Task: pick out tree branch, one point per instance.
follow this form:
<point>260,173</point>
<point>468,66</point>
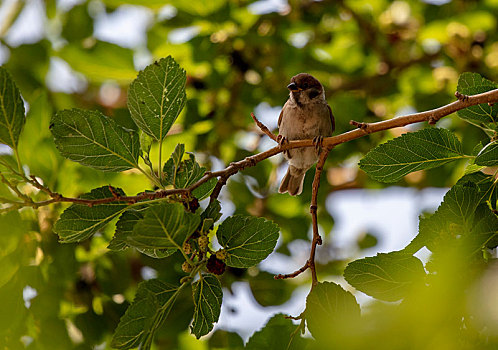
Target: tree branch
<point>317,239</point>
<point>363,129</point>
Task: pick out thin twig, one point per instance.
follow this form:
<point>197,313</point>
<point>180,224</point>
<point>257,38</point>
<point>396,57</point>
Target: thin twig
<point>263,128</point>
<point>317,239</point>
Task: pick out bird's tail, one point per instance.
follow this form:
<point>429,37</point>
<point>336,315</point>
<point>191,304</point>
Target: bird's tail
<point>293,181</point>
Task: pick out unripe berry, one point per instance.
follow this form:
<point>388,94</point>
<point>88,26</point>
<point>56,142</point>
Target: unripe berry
<point>221,254</point>
<point>186,267</point>
<point>203,242</point>
<point>187,248</point>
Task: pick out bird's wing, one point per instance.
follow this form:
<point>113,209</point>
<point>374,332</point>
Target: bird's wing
<point>332,119</point>
<point>280,116</point>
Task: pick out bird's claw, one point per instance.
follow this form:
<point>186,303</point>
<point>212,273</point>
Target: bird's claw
<point>318,143</point>
<point>282,140</point>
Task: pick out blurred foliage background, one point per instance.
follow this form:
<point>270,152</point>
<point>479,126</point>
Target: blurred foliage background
<point>376,59</point>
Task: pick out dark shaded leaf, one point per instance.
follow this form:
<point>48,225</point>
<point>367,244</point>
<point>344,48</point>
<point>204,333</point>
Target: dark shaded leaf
<point>79,221</point>
<point>204,190</point>
<point>247,240</point>
<point>330,310</point>
<point>12,117</point>
<point>488,156</point>
<point>124,229</point>
<point>152,303</point>
<point>387,277</point>
<point>164,226</point>
<point>462,220</point>
<point>207,296</point>
<point>277,334</point>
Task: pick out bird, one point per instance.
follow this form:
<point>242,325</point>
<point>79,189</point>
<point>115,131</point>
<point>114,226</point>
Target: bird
<point>305,115</point>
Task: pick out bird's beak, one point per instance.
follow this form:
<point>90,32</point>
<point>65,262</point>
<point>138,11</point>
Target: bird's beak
<point>293,87</point>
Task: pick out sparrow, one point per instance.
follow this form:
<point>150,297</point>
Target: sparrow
<point>305,115</point>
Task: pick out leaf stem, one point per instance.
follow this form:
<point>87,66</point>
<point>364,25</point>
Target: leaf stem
<point>154,180</point>
<point>18,159</point>
<point>160,168</point>
<point>164,311</point>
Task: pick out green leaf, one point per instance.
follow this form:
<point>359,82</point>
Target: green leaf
<point>486,187</point>
<point>462,220</point>
<point>424,149</point>
<point>221,339</point>
<point>12,117</point>
<point>386,277</point>
<point>79,221</point>
<point>204,190</point>
<point>247,239</point>
<point>94,140</point>
<point>212,213</point>
<point>171,166</point>
<point>188,173</point>
<point>101,62</point>
<point>483,114</point>
<point>201,8</point>
<point>331,310</point>
<point>152,303</point>
<point>157,96</point>
<point>10,266</point>
<point>164,226</point>
<point>182,174</point>
<point>124,229</point>
<point>207,296</point>
<point>277,334</point>
<point>488,156</point>
<point>152,4</point>
<point>13,228</point>
<point>268,291</point>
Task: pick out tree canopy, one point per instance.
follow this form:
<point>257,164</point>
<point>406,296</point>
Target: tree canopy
<point>122,155</point>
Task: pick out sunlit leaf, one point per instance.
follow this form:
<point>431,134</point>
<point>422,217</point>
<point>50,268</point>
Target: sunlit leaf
<point>157,96</point>
<point>12,116</point>
<point>247,240</point>
<point>152,4</point>
<point>94,140</point>
<point>424,149</point>
<point>207,296</point>
<point>152,303</point>
<point>385,276</point>
<point>200,8</point>
<point>12,228</point>
<point>80,221</point>
<point>101,62</point>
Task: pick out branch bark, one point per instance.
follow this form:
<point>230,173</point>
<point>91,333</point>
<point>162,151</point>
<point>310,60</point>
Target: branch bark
<point>363,129</point>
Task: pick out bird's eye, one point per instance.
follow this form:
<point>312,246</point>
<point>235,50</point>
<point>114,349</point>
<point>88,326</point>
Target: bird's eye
<point>305,86</point>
